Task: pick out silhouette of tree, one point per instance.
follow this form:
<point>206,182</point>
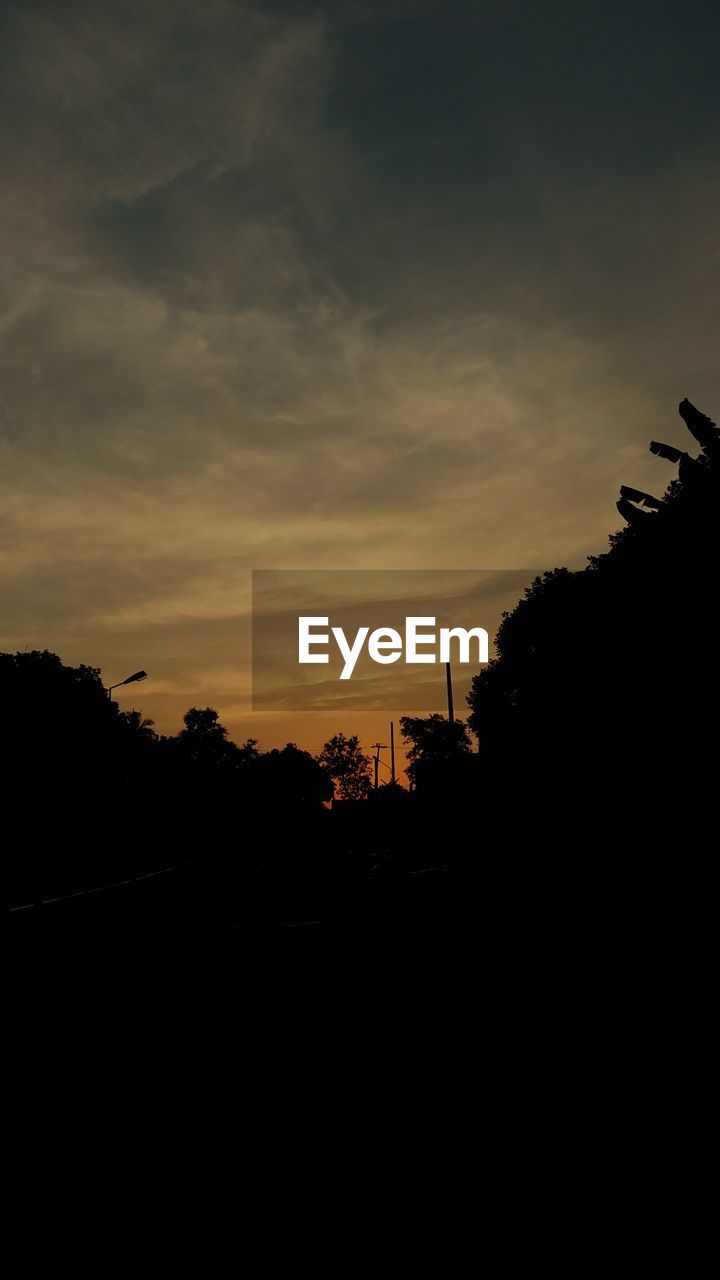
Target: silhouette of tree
<point>291,777</point>
<point>204,739</point>
<point>347,765</point>
<point>615,663</point>
<point>58,721</point>
<point>248,751</point>
<point>68,753</point>
<point>437,746</point>
<point>137,726</point>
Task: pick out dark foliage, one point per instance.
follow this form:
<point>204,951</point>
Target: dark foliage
<point>603,699</point>
<point>347,765</point>
<point>437,752</point>
<point>92,793</point>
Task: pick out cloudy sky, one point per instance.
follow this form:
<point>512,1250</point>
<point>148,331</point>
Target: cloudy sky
<point>352,285</point>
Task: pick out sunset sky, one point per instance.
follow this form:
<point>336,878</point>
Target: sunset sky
<point>352,285</point>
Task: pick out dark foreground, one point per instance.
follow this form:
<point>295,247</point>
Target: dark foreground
<point>189,898</point>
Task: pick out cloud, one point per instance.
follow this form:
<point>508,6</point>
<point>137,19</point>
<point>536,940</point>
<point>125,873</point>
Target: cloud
<point>293,289</point>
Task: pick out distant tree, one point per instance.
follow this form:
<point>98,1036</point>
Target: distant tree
<point>347,765</point>
<point>248,751</point>
<point>203,724</point>
<point>435,746</point>
<point>204,740</point>
<point>137,726</point>
<point>291,776</point>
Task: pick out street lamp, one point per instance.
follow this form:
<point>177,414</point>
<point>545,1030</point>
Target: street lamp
<point>137,675</point>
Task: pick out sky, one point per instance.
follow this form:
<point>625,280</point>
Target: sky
<point>334,286</point>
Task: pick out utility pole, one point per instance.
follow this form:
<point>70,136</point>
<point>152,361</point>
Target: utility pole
<point>378,747</point>
<point>392,751</point>
<point>451,713</point>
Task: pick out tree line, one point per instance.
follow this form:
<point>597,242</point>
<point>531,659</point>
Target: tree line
<point>594,724</point>
<point>66,733</point>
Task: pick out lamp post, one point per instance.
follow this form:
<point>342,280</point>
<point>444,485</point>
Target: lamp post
<point>137,675</point>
